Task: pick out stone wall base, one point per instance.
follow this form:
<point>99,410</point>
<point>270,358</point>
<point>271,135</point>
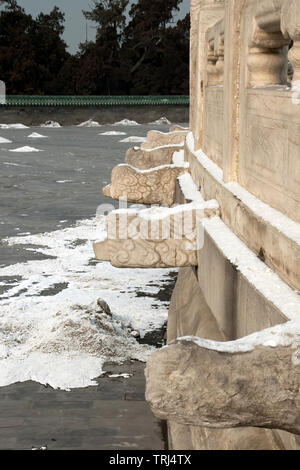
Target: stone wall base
<point>189,314</point>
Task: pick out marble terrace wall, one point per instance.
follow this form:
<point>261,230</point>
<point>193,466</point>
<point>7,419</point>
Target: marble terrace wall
<point>230,376</point>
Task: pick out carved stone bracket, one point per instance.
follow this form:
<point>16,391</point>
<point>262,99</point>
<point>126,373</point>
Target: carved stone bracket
<point>157,139</point>
<point>144,159</point>
<point>156,237</point>
<point>155,186</point>
<point>224,385</point>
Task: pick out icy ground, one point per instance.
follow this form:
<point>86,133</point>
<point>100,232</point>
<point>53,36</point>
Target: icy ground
<point>51,330</point>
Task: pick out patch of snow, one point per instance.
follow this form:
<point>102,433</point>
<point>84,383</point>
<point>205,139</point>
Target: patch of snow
<point>126,122</point>
<point>13,126</point>
<point>283,223</point>
<point>178,157</point>
<point>36,135</point>
<point>266,281</point>
<point>189,188</point>
<point>158,213</point>
<point>89,123</point>
<point>124,375</point>
<point>157,168</point>
<point>183,129</point>
<point>287,334</point>
<point>162,120</point>
<point>26,149</point>
<point>112,133</point>
<point>134,139</point>
<point>5,141</point>
<point>179,146</point>
<point>52,124</point>
<point>64,181</point>
<point>60,338</point>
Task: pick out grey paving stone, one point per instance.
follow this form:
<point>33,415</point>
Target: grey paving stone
<point>112,415</point>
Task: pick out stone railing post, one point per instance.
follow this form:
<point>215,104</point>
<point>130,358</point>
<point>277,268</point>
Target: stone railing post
<point>232,42</point>
<point>290,27</point>
<point>204,14</point>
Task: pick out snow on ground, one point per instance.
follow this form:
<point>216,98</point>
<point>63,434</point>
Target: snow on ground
<point>162,120</point>
<point>51,330</point>
<point>112,133</point>
<point>89,123</point>
<point>134,139</point>
<point>51,124</point>
<point>36,135</point>
<point>64,181</point>
<point>5,141</point>
<point>126,122</point>
<point>26,149</point>
<point>13,126</point>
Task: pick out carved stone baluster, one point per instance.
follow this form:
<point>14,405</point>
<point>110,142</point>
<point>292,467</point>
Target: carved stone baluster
<point>220,63</point>
<point>212,58</point>
<point>267,59</point>
<point>290,27</point>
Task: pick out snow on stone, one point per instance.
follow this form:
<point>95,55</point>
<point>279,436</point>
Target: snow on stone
<point>51,330</point>
<point>156,168</point>
<point>53,124</point>
<point>206,162</point>
<point>160,121</point>
<point>89,123</point>
<point>26,149</point>
<point>262,210</point>
<point>15,164</point>
<point>126,122</point>
<point>124,376</point>
<point>134,138</point>
<point>287,334</point>
<point>13,126</point>
<point>112,133</point>
<point>283,223</point>
<point>5,141</point>
<point>265,281</point>
<point>36,135</point>
<point>158,213</point>
<point>189,188</point>
<point>253,269</point>
<point>178,157</point>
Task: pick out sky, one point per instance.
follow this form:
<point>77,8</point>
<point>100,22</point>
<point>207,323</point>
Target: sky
<point>75,24</point>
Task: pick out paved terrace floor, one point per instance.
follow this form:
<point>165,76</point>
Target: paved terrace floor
<point>111,416</point>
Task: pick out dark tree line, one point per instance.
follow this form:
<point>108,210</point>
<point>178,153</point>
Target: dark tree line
<point>145,54</point>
